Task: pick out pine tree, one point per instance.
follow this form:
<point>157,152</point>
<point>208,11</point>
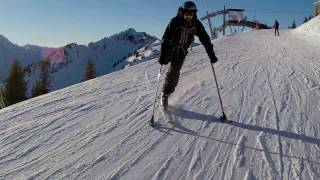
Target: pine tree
<point>90,71</point>
<point>293,25</point>
<point>15,85</point>
<point>305,20</point>
<point>2,105</point>
<point>42,86</point>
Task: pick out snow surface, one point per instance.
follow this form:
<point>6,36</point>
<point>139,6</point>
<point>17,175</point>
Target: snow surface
<point>97,129</point>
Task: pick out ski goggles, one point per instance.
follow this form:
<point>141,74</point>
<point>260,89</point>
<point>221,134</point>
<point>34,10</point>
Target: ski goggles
<point>188,13</point>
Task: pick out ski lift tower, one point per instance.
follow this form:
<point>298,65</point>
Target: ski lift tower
<point>234,15</point>
<point>208,17</point>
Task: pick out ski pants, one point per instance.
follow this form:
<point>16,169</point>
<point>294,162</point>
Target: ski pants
<point>173,73</point>
<point>276,30</point>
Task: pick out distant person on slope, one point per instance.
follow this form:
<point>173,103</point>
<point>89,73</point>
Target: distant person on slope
<point>276,28</point>
<point>177,38</point>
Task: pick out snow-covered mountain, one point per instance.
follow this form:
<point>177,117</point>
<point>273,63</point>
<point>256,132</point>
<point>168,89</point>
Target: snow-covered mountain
<point>10,52</point>
<point>69,62</point>
<point>98,129</point>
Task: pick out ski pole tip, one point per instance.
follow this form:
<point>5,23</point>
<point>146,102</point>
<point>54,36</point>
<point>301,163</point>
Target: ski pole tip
<point>224,117</point>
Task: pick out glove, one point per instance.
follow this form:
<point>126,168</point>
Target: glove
<point>213,59</point>
<point>163,60</point>
<point>212,56</point>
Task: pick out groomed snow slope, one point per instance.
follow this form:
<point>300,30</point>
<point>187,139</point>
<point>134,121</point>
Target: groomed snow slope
<point>310,29</point>
<point>97,130</point>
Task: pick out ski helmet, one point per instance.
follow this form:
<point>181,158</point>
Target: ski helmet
<point>189,6</point>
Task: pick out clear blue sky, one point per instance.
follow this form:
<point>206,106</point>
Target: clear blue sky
<point>56,23</point>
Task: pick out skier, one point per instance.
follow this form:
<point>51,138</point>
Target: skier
<point>177,38</point>
<point>276,27</point>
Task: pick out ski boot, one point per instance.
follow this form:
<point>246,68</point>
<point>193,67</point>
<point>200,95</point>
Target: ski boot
<point>164,101</point>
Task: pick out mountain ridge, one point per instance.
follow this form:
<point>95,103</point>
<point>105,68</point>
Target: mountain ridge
<point>68,62</point>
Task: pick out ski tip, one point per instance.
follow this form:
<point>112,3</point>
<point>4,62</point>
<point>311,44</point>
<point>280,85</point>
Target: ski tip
<point>223,117</point>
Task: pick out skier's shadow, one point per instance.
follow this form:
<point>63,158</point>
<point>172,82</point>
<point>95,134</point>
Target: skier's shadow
<point>190,115</point>
<point>186,114</point>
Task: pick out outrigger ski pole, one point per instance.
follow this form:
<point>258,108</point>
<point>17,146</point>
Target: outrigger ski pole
<point>223,117</point>
<point>155,98</point>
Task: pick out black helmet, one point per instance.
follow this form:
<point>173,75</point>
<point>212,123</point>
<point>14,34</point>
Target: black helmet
<point>189,6</point>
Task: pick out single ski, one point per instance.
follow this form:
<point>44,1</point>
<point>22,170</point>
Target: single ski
<point>166,116</point>
<point>167,120</point>
<point>165,112</point>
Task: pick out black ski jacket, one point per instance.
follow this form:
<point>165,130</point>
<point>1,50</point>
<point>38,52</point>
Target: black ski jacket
<point>178,35</point>
<point>276,25</point>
